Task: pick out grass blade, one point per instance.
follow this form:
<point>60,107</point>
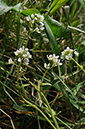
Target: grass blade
<point>52,39</point>
<point>57,6</point>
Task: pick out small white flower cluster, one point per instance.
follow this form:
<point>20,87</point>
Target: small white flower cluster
<point>36,22</point>
<point>54,61</point>
<point>68,53</point>
<point>23,55</point>
<point>10,61</point>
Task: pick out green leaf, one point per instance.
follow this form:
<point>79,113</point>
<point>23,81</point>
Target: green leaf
<point>73,10</point>
<point>75,23</point>
<point>29,11</point>
<point>60,30</point>
<point>82,3</point>
<point>57,28</point>
<point>53,4</point>
<point>52,39</point>
<point>5,8</point>
<point>57,5</point>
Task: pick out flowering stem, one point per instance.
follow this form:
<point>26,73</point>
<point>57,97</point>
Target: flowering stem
<point>43,76</point>
<point>28,39</point>
<point>39,111</point>
<point>50,110</point>
<point>18,69</point>
<point>18,74</point>
<point>78,65</point>
<point>48,103</point>
<point>36,108</point>
<point>59,71</point>
<point>55,121</point>
<point>65,67</point>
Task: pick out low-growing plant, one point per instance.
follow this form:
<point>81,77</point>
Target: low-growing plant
<point>42,65</point>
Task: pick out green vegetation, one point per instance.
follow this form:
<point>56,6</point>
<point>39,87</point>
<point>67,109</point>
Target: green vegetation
<point>42,64</point>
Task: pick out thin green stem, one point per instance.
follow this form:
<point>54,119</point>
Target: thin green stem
<point>79,65</point>
<point>18,68</point>
<point>28,39</point>
<point>43,76</point>
<point>36,106</point>
<point>63,122</point>
<point>18,74</point>
<point>39,111</point>
<point>59,71</point>
<point>55,121</point>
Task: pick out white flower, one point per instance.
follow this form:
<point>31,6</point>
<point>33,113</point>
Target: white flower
<point>21,50</point>
<point>24,55</point>
<point>42,28</point>
<point>32,21</point>
<point>19,59</point>
<point>26,61</point>
<point>68,49</point>
<point>36,14</point>
<point>56,63</point>
<point>67,54</point>
<point>42,24</point>
<point>16,53</point>
<point>60,64</point>
<point>37,30</point>
<point>40,18</point>
<point>28,18</point>
<point>35,18</point>
<point>36,22</point>
<point>24,29</point>
<point>10,61</point>
<point>32,15</point>
<point>47,66</point>
<point>26,49</point>
<point>76,53</point>
<point>55,58</point>
<point>29,55</point>
<point>50,57</point>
